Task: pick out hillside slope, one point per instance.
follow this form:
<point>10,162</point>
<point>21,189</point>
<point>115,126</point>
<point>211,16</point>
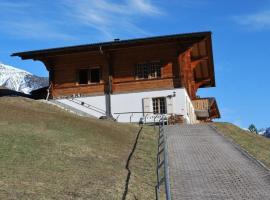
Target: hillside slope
<point>47,153</point>
<point>256,145</point>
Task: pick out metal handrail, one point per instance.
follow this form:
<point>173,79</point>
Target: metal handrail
<point>146,114</point>
<point>86,105</point>
<point>131,114</point>
<point>122,113</point>
<point>162,150</point>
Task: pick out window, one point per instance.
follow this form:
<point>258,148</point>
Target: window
<point>87,76</point>
<point>159,105</point>
<point>83,76</point>
<point>95,75</point>
<point>148,70</point>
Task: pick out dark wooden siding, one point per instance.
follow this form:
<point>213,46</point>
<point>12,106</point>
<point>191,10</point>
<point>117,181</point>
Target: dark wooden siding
<point>186,66</point>
<point>124,63</point>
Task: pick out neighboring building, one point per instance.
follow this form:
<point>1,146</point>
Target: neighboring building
<point>136,79</point>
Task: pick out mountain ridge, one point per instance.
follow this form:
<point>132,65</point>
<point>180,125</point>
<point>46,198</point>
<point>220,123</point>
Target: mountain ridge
<point>20,80</point>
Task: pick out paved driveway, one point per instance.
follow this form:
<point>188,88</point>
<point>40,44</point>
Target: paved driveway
<point>205,166</point>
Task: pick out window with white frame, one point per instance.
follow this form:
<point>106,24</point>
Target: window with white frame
<point>148,70</point>
<point>159,105</point>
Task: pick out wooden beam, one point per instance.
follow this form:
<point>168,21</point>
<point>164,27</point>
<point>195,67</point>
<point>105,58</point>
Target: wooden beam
<point>108,89</point>
<point>195,62</point>
<point>210,60</point>
<point>199,84</point>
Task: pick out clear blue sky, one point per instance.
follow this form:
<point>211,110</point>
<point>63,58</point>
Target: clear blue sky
<point>241,39</point>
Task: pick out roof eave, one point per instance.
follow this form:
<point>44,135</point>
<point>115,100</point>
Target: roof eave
<point>95,47</point>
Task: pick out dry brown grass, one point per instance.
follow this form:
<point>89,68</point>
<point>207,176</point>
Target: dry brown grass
<point>47,153</point>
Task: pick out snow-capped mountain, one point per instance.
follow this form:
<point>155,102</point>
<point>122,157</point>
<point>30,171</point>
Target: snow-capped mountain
<point>20,80</point>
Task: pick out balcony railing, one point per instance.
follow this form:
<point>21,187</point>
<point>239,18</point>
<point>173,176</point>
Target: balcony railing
<point>206,108</point>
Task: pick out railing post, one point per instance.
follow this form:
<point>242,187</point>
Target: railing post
<point>130,117</point>
<point>162,120</point>
<point>155,121</point>
<point>145,118</point>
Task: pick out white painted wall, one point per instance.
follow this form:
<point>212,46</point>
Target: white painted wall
<point>97,101</point>
<point>133,102</point>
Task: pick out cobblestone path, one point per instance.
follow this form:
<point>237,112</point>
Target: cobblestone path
<point>204,166</point>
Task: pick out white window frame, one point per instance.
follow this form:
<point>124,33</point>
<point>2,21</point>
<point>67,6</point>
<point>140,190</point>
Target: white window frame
<point>159,104</point>
<point>148,70</point>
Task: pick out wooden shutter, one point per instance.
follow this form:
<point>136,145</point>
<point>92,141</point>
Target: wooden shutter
<point>147,105</point>
<point>169,104</point>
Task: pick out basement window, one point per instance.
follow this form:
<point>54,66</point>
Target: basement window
<point>88,76</point>
<point>148,70</point>
<point>159,105</point>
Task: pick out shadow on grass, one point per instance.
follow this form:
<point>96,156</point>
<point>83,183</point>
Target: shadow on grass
<point>127,164</point>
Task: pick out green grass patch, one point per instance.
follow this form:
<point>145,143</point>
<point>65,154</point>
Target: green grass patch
<point>256,145</point>
<point>48,153</point>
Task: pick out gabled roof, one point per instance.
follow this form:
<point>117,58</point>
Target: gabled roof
<point>112,44</point>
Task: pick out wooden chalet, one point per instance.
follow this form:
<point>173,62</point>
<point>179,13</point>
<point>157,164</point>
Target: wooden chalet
<point>136,66</point>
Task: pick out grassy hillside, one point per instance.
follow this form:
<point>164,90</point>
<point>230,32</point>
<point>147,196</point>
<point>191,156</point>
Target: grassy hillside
<point>47,153</point>
<point>256,145</point>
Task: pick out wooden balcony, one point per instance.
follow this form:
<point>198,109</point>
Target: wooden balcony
<point>206,109</point>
